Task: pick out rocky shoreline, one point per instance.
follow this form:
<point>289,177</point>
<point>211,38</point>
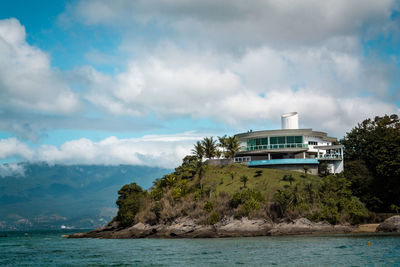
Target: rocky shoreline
<point>230,227</point>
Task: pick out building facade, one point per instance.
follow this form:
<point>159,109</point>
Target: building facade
<point>290,148</point>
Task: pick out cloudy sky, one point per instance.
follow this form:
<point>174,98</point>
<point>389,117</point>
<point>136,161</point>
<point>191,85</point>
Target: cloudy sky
<point>138,82</point>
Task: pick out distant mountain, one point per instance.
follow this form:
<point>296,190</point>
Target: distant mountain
<point>79,196</point>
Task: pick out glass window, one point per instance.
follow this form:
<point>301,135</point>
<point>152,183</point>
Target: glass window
<point>264,141</point>
<point>251,142</point>
<point>290,139</point>
<point>281,140</point>
<point>273,140</point>
<point>298,139</point>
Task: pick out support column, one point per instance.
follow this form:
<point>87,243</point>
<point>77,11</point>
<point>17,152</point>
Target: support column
<point>269,156</point>
<point>304,155</point>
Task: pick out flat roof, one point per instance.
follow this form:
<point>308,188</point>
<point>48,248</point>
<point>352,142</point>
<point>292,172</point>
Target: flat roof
<point>286,132</point>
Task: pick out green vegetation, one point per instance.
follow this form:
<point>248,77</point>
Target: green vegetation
<point>195,190</point>
<point>328,199</point>
<point>208,147</point>
<point>372,162</point>
<point>244,180</point>
<point>209,193</point>
<point>129,202</point>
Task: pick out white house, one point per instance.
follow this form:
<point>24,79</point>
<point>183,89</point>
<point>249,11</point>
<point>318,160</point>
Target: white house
<point>290,148</point>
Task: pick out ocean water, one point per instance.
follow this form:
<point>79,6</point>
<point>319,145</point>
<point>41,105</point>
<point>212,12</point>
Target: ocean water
<point>48,248</point>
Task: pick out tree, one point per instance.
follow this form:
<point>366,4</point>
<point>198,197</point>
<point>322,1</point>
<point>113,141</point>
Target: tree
<point>375,144</point>
<point>233,146</point>
<point>223,143</point>
<point>288,178</point>
<point>128,202</point>
<point>230,146</point>
<point>198,150</point>
<point>210,147</point>
<point>244,180</point>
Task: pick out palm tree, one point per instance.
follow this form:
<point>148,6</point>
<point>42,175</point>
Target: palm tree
<point>198,150</point>
<point>223,143</point>
<point>210,147</point>
<point>233,146</point>
<point>288,178</point>
<point>244,180</point>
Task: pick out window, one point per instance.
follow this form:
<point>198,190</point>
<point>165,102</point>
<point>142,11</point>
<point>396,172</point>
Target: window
<point>273,140</point>
<point>242,159</point>
<point>313,143</point>
<point>298,139</point>
<point>290,139</point>
<point>257,142</point>
<point>281,139</point>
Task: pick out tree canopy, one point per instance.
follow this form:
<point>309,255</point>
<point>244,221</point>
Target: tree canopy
<point>372,161</point>
<point>208,147</point>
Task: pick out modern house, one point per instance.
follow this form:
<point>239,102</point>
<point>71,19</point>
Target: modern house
<point>290,148</point>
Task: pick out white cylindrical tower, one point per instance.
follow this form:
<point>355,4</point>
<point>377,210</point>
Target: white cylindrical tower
<point>290,120</point>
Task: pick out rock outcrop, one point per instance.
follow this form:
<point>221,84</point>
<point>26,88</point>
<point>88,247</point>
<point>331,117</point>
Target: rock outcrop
<point>391,224</point>
<point>305,226</point>
<point>228,227</point>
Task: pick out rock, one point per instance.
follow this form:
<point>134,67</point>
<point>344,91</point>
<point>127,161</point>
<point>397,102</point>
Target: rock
<point>366,228</point>
<point>305,226</point>
<point>243,227</point>
<point>186,227</point>
<point>391,224</point>
<point>78,235</point>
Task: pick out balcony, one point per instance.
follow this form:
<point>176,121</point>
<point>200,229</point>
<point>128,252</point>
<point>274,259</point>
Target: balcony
<point>330,157</point>
<point>269,147</point>
<point>282,162</point>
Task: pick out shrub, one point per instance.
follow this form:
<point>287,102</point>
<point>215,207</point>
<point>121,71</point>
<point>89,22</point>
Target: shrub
<point>241,197</point>
<point>248,206</point>
<point>246,201</point>
<point>208,206</point>
<point>156,208</point>
<point>329,199</point>
<point>214,218</point>
<point>288,178</point>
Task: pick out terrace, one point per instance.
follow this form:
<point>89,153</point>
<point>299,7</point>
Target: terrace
<point>274,142</point>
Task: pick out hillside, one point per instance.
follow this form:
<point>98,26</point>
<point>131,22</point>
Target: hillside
<point>209,194</point>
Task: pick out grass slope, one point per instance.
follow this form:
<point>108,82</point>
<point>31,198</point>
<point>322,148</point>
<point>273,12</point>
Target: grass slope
<point>219,179</point>
<point>209,193</point>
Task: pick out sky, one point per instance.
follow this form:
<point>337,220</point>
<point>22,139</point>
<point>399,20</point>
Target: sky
<point>139,82</point>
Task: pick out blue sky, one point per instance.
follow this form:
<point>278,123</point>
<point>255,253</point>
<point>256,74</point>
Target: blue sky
<point>138,82</point>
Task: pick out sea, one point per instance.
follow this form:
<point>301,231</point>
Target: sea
<point>50,248</point>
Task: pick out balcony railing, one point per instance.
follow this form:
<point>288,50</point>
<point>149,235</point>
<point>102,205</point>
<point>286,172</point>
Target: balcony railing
<point>330,156</point>
<point>268,147</point>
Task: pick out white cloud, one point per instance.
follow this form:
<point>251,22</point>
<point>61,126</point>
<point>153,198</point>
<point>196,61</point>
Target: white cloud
<point>12,147</point>
<point>154,150</point>
<point>320,83</point>
<point>237,22</point>
<point>27,81</point>
<point>11,169</point>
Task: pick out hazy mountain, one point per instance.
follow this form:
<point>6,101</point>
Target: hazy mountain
<point>81,196</point>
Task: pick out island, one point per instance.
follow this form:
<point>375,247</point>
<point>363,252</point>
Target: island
<point>209,197</point>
